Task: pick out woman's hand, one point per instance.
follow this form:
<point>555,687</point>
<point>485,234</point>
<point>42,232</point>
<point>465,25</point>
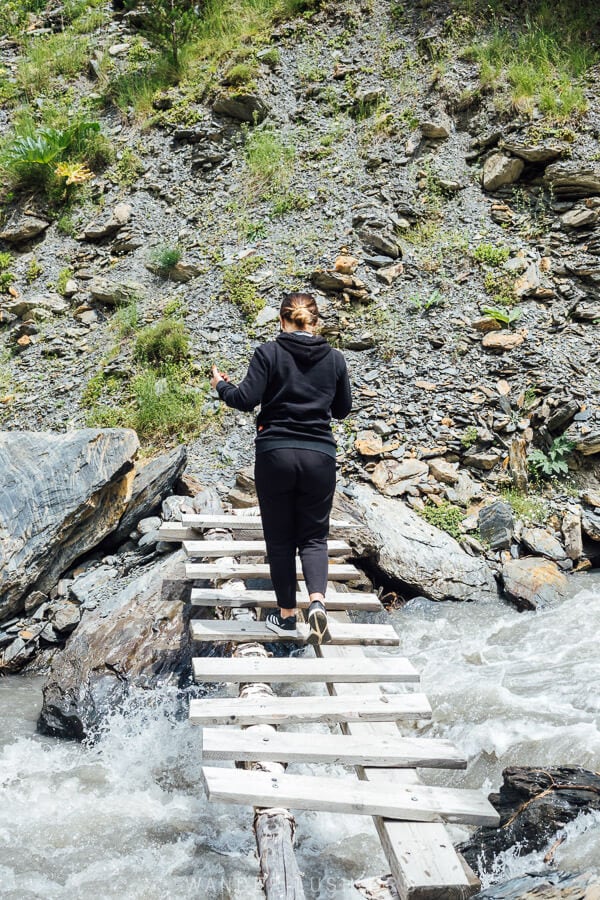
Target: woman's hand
<point>217,376</point>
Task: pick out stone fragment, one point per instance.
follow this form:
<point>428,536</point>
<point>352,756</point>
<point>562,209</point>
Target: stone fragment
<point>496,525</point>
<point>571,531</point>
<point>443,471</point>
<point>591,497</point>
<point>394,477</point>
<point>245,107</point>
<point>97,231</point>
<point>527,283</point>
<point>23,228</point>
<point>60,495</point>
<point>52,303</point>
<point>517,463</point>
<point>345,264</point>
<point>415,553</point>
<point>380,241</point>
<point>533,582</point>
<point>573,178</point>
<point>388,274</point>
<point>542,543</point>
<point>114,293</point>
<point>503,340</point>
<point>70,288</point>
<point>580,217</point>
<point>368,443</point>
<point>590,523</point>
<point>239,499</point>
<point>585,437</point>
<point>535,153</point>
<point>17,654</point>
<point>65,618</point>
<point>482,459</point>
<point>437,128</point>
<point>499,170</point>
<point>266,315</point>
<point>563,415</point>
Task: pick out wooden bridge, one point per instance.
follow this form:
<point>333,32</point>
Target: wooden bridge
<point>365,720</point>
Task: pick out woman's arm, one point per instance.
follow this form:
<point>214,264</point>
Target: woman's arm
<point>249,392</point>
<point>342,401</point>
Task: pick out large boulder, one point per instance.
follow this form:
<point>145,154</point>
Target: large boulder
<point>552,886</point>
<point>533,804</point>
<point>135,636</point>
<point>60,495</point>
<point>423,558</point>
<point>573,178</point>
<point>531,582</point>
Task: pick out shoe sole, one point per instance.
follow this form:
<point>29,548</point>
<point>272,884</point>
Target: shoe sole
<point>282,631</point>
<point>319,630</point>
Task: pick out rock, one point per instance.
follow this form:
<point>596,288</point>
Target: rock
<point>368,443</point>
<point>585,437</point>
<point>535,153</point>
<point>481,459</point>
<point>388,274</point>
<point>85,584</point>
<point>331,280</point>
<point>33,601</point>
<point>563,415</point>
<point>181,272</point>
<point>266,315</point>
<point>17,654</point>
<point>24,228</point>
<point>345,264</point>
<point>240,499</point>
<point>571,530</point>
<point>60,494</point>
<point>573,178</point>
<point>243,107</point>
<point>529,282</point>
<point>152,523</point>
<point>590,523</point>
<point>555,886</point>
<point>464,490</point>
<point>542,543</point>
<point>152,483</point>
<point>52,303</point>
<point>70,288</point>
<point>422,558</point>
<point>499,170</point>
<point>517,463</point>
<point>591,497</point>
<point>380,241</point>
<point>438,129</point>
<point>533,582</point>
<point>502,340</point>
<point>394,477</point>
<point>114,293</point>
<point>443,471</point>
<point>581,216</point>
<point>137,636</point>
<point>97,231</point>
<point>496,525</point>
<point>65,618</point>
<point>533,804</point>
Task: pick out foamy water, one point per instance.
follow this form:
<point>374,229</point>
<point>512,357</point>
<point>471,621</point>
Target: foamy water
<point>126,818</point>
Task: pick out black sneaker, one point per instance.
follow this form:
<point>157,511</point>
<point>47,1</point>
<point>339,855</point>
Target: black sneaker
<point>317,622</point>
<point>286,627</point>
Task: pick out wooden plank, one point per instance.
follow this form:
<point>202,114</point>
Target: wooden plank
<point>292,710</point>
<point>423,861</point>
<point>245,630</point>
<point>419,803</point>
<point>298,669</point>
<point>225,569</point>
<point>197,549</point>
<point>339,749</point>
<point>359,600</point>
<point>246,521</point>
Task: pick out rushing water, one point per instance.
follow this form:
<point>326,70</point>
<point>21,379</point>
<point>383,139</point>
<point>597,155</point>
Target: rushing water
<point>126,819</point>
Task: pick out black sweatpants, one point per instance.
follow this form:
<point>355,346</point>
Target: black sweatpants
<point>295,490</point>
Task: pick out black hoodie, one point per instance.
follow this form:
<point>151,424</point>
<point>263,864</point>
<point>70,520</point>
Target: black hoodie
<point>300,383</point>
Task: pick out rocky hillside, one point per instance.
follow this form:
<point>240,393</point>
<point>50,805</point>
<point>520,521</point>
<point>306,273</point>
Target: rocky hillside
<point>431,172</point>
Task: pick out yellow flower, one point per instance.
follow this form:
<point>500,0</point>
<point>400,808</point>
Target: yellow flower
<point>74,173</point>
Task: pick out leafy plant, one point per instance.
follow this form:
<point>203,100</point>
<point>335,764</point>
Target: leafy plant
<point>445,516</point>
<point>469,437</point>
<point>34,270</point>
<point>490,254</point>
<point>530,508</point>
<point>63,277</point>
<point>554,462</point>
<point>241,290</point>
<point>505,317</point>
<point>33,158</point>
<point>426,305</point>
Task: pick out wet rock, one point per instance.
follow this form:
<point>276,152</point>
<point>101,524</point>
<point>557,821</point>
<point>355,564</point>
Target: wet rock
<point>502,340</point>
<point>394,477</point>
<point>17,654</point>
<point>24,228</point>
<point>533,804</point>
<point>137,636</point>
<point>423,558</point>
<point>60,494</point>
<point>573,178</point>
<point>244,107</point>
<point>114,293</point>
<point>551,886</point>
<point>542,543</point>
<point>533,582</point>
<point>496,525</point>
<point>499,170</point>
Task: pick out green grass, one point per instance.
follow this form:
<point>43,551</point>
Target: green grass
<point>240,74</point>
<point>165,258</point>
<point>49,56</point>
<point>240,290</point>
<point>270,160</point>
<point>164,343</point>
<point>447,517</point>
<point>491,254</point>
<point>531,508</point>
<point>128,168</point>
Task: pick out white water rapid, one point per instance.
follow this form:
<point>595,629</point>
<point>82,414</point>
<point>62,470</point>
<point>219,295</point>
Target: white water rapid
<point>125,818</point>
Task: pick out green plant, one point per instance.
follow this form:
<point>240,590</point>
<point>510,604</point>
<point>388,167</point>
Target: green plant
<point>271,57</point>
<point>426,304</point>
<point>31,158</point>
<point>446,516</point>
<point>166,342</point>
<point>500,285</point>
<point>128,168</point>
<point>240,74</point>
<point>165,258</point>
<point>269,159</point>
<point>505,317</point>
<point>547,465</point>
<point>288,201</point>
<point>6,277</point>
<point>33,271</point>
<point>170,25</point>
<point>48,56</point>
<point>491,255</point>
<point>240,289</point>
<point>126,318</point>
<point>469,437</point>
<point>531,508</point>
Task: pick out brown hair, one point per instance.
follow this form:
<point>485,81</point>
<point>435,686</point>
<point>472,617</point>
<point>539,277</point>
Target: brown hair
<point>301,309</point>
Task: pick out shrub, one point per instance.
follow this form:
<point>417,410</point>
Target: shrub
<point>34,270</point>
<point>170,24</point>
<point>166,342</point>
<point>6,277</point>
<point>490,254</point>
<point>165,258</point>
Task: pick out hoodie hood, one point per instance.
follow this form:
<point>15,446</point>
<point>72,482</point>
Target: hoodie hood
<point>306,349</point>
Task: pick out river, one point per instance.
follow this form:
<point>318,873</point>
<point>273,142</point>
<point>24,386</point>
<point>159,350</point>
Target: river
<point>125,818</point>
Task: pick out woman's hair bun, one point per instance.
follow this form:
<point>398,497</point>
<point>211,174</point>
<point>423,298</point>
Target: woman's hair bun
<point>301,316</point>
<point>301,309</point>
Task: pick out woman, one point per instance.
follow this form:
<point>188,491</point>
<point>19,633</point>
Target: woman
<point>300,383</point>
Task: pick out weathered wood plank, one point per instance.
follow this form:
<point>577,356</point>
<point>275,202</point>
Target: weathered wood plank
<point>224,569</point>
<point>341,633</point>
<point>301,747</point>
<point>292,710</point>
<point>422,858</point>
<point>246,521</point>
<point>304,668</point>
<point>419,803</point>
<point>198,549</point>
<point>359,600</point>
